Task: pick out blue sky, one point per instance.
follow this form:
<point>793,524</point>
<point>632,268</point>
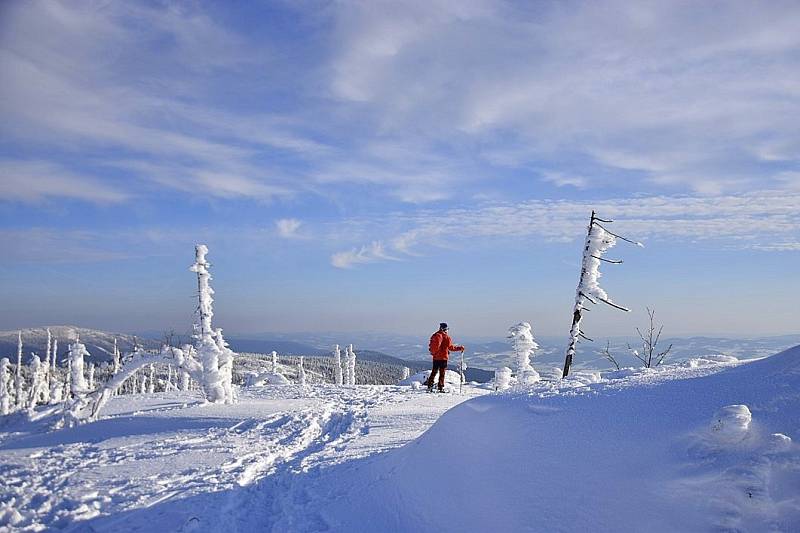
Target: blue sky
<point>385,166</point>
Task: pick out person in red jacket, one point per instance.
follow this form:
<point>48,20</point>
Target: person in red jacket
<point>440,347</point>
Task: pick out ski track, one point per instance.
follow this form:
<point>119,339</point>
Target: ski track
<point>268,463</point>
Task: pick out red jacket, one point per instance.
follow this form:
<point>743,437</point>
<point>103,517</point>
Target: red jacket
<point>445,346</point>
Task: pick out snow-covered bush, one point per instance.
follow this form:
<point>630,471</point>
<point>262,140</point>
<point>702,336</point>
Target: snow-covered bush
<point>502,378</point>
<point>523,345</point>
<point>5,386</point>
<point>337,365</point>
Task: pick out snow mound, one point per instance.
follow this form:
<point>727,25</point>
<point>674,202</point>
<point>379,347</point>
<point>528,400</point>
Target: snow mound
<point>265,378</point>
<point>731,423</point>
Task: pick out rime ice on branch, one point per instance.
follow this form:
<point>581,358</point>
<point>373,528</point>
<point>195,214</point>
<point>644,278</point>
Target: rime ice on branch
<point>598,241</point>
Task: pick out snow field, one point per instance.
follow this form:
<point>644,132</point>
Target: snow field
<point>170,458</point>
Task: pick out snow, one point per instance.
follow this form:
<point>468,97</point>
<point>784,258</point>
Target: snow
<point>451,379</point>
<point>703,447</point>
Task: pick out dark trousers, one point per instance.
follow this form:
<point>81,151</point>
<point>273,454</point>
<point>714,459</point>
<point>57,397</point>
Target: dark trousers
<point>439,365</point>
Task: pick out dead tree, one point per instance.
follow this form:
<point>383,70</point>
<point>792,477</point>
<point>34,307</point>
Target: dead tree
<point>608,355</point>
<point>598,240</point>
<point>650,356</point>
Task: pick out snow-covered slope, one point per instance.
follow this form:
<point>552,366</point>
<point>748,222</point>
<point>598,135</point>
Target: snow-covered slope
<point>655,451</point>
<point>708,445</point>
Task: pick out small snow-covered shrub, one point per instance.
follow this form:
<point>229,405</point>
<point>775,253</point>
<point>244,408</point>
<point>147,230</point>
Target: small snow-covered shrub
<point>523,345</point>
<point>502,378</point>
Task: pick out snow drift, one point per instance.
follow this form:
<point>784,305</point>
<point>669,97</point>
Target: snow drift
<point>650,452</point>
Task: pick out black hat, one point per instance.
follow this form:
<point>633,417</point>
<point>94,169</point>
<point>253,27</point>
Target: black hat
<point>443,325</point>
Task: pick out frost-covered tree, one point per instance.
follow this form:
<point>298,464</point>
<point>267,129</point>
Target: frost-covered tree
<point>56,385</point>
<point>274,362</point>
<point>78,398</point>
<point>213,360</point>
<point>226,357</point>
<point>77,353</point>
<point>116,356</point>
<point>598,241</point>
<point>523,345</point>
<point>337,365</point>
<point>55,355</point>
<point>406,373</point>
<point>48,374</point>
<point>301,372</point>
<point>39,390</point>
<point>5,386</point>
<point>19,382</point>
<point>151,380</point>
<point>351,365</point>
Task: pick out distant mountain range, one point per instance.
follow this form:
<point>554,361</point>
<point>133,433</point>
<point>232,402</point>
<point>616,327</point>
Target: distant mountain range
<point>99,343</point>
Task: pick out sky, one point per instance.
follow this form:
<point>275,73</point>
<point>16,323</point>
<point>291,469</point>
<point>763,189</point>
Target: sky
<point>384,166</point>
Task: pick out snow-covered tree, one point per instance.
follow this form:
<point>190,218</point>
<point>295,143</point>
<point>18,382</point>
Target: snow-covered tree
<point>116,356</point>
<point>78,384</point>
<point>406,372</point>
<point>523,345</point>
<point>19,382</point>
<point>337,365</point>
<point>274,362</point>
<point>55,355</point>
<point>77,400</point>
<point>39,390</point>
<point>215,378</point>
<point>301,372</point>
<point>151,379</point>
<point>351,365</point>
<point>5,386</point>
<point>598,241</point>
<point>226,366</point>
<point>48,374</point>
<point>56,385</point>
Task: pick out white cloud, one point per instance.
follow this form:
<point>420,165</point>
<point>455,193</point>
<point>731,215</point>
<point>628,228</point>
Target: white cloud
<point>655,88</point>
<point>287,227</point>
<point>31,181</point>
<point>366,254</point>
<point>764,220</point>
<point>562,180</point>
